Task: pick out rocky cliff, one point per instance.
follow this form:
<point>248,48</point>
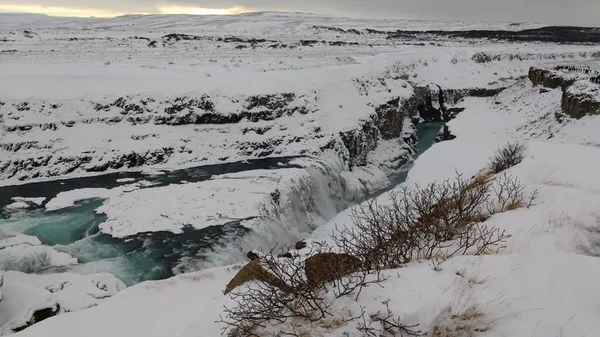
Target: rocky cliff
<point>580,96</point>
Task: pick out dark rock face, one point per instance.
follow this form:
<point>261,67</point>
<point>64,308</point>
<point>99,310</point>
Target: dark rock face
<point>252,255</point>
<point>453,96</point>
<point>444,135</point>
<point>300,245</point>
<point>421,104</point>
<point>553,34</point>
<point>579,105</point>
<point>360,142</point>
<point>39,316</point>
<point>574,104</point>
<point>548,78</point>
<point>390,119</point>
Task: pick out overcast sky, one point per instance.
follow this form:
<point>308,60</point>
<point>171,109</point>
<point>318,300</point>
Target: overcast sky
<point>574,12</point>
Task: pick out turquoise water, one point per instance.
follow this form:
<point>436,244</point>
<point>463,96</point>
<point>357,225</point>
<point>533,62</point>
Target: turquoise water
<point>426,134</point>
<point>146,256</point>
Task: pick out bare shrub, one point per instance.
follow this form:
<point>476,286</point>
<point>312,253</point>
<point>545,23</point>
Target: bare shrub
<point>385,324</point>
<point>301,294</point>
<point>509,194</point>
<point>260,303</point>
<point>467,323</point>
<point>439,220</point>
<point>508,156</point>
<point>436,222</point>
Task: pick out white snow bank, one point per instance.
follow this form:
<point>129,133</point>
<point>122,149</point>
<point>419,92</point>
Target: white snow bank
<point>214,202</point>
<point>125,180</point>
<point>26,253</point>
<point>150,309</point>
<point>17,205</point>
<point>69,198</point>
<point>23,294</point>
<point>37,201</point>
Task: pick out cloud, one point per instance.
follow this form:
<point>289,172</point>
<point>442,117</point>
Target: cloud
<point>576,12</point>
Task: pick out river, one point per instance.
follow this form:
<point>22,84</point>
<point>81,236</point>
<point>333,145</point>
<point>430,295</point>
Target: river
<point>145,256</point>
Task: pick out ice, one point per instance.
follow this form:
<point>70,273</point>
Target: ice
<point>17,205</point>
<point>68,199</point>
<point>26,253</point>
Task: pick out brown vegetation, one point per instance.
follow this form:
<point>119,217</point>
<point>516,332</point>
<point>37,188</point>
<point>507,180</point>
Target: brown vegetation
<point>436,222</point>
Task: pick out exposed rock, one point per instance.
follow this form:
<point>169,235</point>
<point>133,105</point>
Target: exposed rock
<point>359,142</point>
<point>301,245</point>
<point>326,267</point>
<point>286,255</point>
<point>422,102</point>
<point>38,316</point>
<point>577,104</point>
<point>577,100</point>
<point>252,255</point>
<point>552,34</point>
<point>549,78</point>
<point>253,271</point>
<point>390,119</point>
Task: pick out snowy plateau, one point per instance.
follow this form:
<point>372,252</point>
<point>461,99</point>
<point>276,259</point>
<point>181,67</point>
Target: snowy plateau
<point>142,157</point>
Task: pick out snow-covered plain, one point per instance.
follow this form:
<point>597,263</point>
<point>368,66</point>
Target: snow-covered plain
<point>81,97</point>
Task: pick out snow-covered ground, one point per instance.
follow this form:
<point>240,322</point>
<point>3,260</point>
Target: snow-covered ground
<point>81,97</point>
<point>543,284</point>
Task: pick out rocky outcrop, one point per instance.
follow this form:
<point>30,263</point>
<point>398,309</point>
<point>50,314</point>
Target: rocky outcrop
<point>359,142</point>
<point>421,104</point>
<point>327,267</point>
<point>253,271</point>
<point>549,78</point>
<point>577,104</point>
<point>201,110</point>
<point>580,97</point>
<point>319,269</point>
<point>453,96</point>
<point>391,116</point>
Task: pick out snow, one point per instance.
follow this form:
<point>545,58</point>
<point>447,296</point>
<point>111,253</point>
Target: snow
<point>125,180</point>
<point>544,283</point>
<point>26,253</point>
<point>17,205</point>
<point>69,198</point>
<point>62,76</point>
<point>25,293</point>
<point>37,201</point>
<point>531,288</point>
<point>223,199</point>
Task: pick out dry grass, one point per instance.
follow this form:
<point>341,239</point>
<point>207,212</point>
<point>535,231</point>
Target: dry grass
<point>466,324</point>
<point>514,205</point>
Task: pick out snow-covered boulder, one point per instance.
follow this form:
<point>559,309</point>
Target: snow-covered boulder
<point>28,298</point>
